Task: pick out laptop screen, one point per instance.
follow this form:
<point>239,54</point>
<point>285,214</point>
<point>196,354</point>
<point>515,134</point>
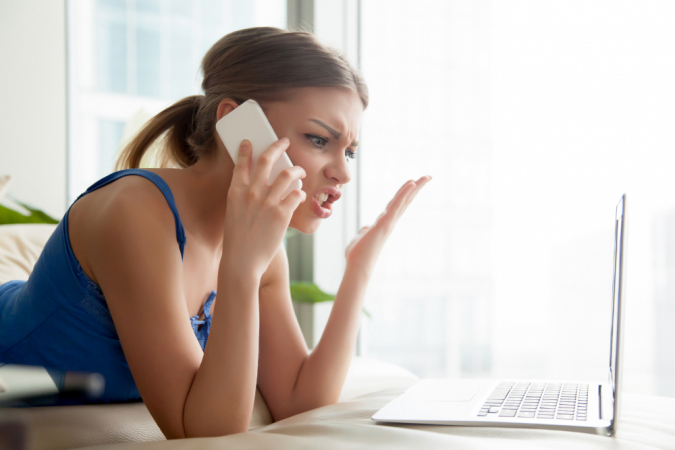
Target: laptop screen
<point>618,290</point>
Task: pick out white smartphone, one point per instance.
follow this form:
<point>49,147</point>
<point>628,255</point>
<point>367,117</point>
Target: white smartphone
<point>248,121</point>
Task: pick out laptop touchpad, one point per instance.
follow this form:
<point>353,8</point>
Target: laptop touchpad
<point>443,391</point>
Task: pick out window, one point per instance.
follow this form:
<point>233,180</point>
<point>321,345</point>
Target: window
<point>533,118</point>
<point>129,59</point>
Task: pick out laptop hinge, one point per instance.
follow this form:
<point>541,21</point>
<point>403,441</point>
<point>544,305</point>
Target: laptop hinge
<point>606,402</point>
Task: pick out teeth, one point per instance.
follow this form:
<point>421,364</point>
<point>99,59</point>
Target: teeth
<point>321,197</point>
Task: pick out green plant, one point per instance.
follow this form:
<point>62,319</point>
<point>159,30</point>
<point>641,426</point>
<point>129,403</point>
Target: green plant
<point>304,292</point>
<point>9,216</point>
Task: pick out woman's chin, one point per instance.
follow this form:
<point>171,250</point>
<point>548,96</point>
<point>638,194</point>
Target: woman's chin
<point>305,225</point>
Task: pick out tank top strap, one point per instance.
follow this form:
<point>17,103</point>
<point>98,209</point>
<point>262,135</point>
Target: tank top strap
<point>161,185</point>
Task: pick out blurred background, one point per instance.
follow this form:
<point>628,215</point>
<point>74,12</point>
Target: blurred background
<point>532,117</point>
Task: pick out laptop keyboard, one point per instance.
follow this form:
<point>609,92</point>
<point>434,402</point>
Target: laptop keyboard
<point>564,401</point>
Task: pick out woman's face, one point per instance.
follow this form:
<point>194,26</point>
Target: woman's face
<point>322,125</point>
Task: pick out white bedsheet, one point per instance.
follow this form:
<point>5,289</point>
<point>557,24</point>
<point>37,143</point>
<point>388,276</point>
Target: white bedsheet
<point>647,423</point>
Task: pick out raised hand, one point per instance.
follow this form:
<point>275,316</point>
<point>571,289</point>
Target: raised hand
<point>257,216</point>
<point>364,249</point>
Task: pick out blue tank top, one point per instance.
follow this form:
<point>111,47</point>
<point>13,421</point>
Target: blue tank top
<point>59,318</point>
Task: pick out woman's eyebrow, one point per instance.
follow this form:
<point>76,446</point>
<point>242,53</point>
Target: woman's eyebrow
<point>336,134</point>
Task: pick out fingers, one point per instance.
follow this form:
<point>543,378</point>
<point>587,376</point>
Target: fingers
<point>410,195</point>
<point>419,185</point>
<point>285,178</point>
<point>293,200</point>
<point>242,166</point>
<point>398,199</point>
<point>401,200</point>
<point>407,193</point>
<point>264,163</point>
<point>405,185</point>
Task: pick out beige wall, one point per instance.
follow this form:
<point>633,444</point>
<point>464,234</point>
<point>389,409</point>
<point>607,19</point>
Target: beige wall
<point>33,101</point>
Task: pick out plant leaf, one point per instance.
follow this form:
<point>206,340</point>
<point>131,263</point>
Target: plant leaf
<point>309,293</point>
<point>9,216</point>
<point>304,292</point>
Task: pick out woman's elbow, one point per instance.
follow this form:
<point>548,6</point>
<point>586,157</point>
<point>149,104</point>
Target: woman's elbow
<point>305,406</point>
<point>329,398</point>
<point>216,428</point>
<point>201,422</point>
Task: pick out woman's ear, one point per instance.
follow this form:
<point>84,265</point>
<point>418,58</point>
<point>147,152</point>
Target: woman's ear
<point>226,106</point>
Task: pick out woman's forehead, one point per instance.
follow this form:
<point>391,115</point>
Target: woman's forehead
<point>323,99</point>
<point>339,108</point>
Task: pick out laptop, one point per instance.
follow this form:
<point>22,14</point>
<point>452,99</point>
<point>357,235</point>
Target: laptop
<point>574,405</point>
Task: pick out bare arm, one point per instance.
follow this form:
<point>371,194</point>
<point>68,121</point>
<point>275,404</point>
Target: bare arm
<point>221,397</point>
<point>255,224</point>
<point>136,260</point>
<point>137,263</point>
<point>291,380</point>
<point>284,355</point>
<point>323,375</point>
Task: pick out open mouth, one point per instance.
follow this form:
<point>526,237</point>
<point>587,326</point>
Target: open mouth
<point>322,202</point>
<point>322,205</point>
<point>325,199</point>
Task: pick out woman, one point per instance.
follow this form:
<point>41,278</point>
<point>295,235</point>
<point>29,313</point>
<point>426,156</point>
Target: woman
<point>135,257</point>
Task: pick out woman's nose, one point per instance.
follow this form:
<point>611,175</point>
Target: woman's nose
<point>338,169</point>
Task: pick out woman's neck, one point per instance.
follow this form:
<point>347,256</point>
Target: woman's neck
<point>205,185</point>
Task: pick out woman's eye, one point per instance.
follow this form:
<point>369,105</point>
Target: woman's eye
<point>317,141</point>
<point>321,142</point>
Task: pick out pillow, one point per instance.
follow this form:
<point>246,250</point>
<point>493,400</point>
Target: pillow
<point>20,248</point>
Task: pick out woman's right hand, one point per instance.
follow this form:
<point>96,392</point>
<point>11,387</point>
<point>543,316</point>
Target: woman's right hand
<point>257,216</point>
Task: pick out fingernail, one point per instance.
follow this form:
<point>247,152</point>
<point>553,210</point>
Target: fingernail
<point>245,144</point>
<point>284,140</point>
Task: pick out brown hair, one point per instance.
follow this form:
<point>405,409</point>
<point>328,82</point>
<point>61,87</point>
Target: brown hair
<point>261,63</point>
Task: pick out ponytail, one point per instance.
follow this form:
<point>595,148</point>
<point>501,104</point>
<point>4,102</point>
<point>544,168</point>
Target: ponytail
<point>178,122</point>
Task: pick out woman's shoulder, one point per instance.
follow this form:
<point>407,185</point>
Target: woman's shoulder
<point>129,210</point>
<point>125,198</point>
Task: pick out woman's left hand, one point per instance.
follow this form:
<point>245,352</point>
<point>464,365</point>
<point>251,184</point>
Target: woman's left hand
<point>364,249</point>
